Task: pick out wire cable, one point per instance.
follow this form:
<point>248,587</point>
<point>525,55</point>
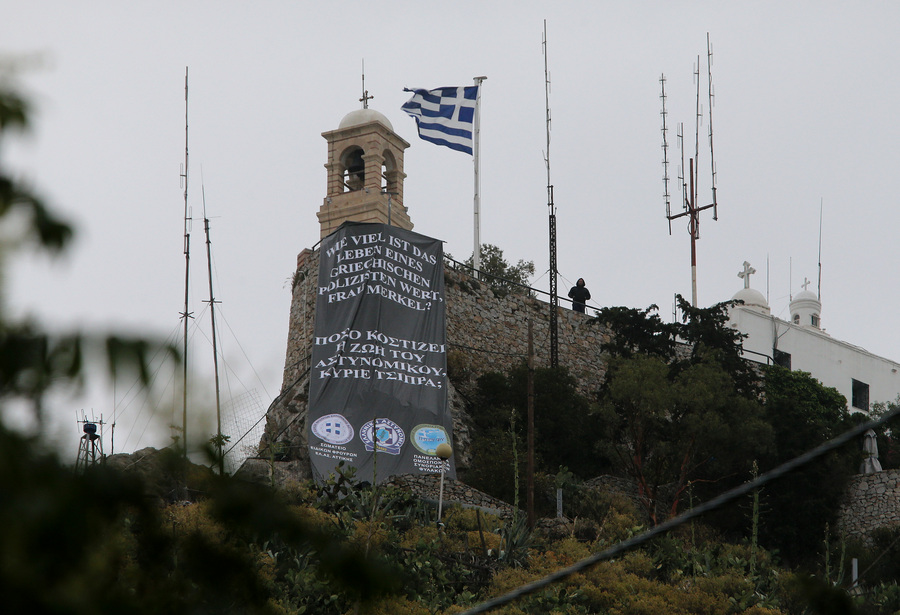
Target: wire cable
<point>674,522</point>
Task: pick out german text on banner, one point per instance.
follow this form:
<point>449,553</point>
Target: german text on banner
<point>378,381</point>
<point>445,116</point>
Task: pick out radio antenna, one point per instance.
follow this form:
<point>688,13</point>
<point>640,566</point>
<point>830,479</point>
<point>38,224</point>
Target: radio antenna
<point>90,447</point>
<point>698,119</point>
<point>819,290</point>
<point>712,98</point>
<point>665,149</point>
<point>679,138</point>
<point>186,314</point>
<point>551,207</point>
<point>212,315</point>
<point>690,206</point>
<point>365,93</point>
<point>791,278</point>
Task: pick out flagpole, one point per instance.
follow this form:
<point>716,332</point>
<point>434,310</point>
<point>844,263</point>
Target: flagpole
<point>476,253</point>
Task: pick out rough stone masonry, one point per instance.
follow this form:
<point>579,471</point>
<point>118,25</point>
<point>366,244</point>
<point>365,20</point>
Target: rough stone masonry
<point>484,333</point>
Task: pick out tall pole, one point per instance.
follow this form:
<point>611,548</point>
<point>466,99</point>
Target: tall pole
<point>185,315</point>
<point>712,101</point>
<point>819,287</point>
<point>212,316</point>
<point>529,502</point>
<point>443,451</point>
<point>554,294</point>
<point>441,495</point>
<point>476,161</point>
<point>695,222</point>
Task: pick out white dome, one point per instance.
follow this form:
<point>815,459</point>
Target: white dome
<point>752,299</point>
<point>364,116</point>
<point>806,309</point>
<point>806,295</point>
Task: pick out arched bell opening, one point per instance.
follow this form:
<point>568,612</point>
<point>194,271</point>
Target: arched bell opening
<point>390,175</point>
<point>354,169</point>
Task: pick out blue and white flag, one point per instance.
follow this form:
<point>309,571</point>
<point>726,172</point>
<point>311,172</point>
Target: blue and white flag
<point>445,116</point>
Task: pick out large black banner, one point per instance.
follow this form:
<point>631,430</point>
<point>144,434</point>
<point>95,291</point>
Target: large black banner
<point>378,381</point>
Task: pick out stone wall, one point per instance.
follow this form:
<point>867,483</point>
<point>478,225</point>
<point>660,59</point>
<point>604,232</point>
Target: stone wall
<point>871,501</point>
<point>484,333</point>
<point>487,333</point>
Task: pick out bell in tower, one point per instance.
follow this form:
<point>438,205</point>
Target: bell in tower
<point>365,173</point>
<point>355,175</point>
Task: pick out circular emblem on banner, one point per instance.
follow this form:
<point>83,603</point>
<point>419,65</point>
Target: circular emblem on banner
<point>333,428</point>
<point>388,436</point>
<point>427,437</point>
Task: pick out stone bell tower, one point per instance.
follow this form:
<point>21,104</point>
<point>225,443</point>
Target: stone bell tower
<point>365,173</point>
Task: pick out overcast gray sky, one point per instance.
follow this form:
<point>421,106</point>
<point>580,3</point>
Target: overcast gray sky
<point>806,114</point>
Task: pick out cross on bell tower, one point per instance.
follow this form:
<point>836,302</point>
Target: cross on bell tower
<point>365,172</point>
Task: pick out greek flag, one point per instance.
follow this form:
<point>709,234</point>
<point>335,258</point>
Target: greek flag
<point>445,116</point>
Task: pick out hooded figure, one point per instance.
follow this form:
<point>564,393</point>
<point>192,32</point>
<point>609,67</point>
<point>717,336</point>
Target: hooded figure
<point>870,463</point>
<point>579,295</point>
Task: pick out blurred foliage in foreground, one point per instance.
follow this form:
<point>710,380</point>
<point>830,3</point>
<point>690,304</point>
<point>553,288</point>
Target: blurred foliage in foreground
<point>97,543</point>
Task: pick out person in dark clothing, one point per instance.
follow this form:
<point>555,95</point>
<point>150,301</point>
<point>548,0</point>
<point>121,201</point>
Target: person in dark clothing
<point>579,295</point>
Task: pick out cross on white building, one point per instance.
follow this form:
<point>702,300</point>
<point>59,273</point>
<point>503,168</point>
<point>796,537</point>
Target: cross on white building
<point>745,274</point>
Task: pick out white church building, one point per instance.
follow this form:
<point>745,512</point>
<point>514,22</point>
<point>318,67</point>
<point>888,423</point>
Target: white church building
<point>801,344</point>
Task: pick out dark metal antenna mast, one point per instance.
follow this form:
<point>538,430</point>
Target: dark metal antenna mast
<point>689,190</point>
<point>212,316</point>
<point>554,295</point>
<point>186,314</point>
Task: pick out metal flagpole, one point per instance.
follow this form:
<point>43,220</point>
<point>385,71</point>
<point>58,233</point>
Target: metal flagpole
<point>476,253</point>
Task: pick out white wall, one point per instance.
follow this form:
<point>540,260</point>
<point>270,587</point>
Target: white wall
<point>832,362</point>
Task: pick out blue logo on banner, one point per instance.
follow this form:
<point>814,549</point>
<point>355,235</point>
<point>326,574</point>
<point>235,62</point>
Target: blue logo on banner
<point>388,437</point>
<point>427,437</point>
<point>333,428</point>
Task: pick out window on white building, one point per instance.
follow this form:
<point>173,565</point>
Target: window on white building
<point>814,320</point>
<point>860,395</point>
<point>781,358</point>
